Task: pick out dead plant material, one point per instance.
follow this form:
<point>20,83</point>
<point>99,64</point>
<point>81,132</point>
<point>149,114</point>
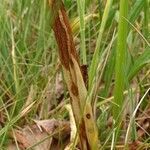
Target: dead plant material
<point>84,71</point>
<point>73,74</point>
<point>42,135</point>
<point>52,126</point>
<point>143,124</point>
<point>135,145</point>
<point>30,136</point>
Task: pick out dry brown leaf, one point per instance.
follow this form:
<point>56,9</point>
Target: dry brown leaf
<point>134,145</point>
<point>60,128</point>
<point>30,136</point>
<point>45,135</point>
<point>143,124</point>
<point>11,147</point>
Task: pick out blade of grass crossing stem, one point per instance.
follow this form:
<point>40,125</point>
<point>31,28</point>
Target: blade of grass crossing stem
<point>120,62</point>
<point>81,11</point>
<point>95,58</point>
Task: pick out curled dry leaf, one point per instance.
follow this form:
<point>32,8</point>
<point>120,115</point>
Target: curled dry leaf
<point>43,135</point>
<point>56,127</point>
<point>30,136</point>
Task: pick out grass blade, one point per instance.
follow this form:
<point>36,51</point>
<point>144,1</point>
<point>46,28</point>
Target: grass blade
<point>141,61</point>
<point>81,11</point>
<point>120,60</point>
<point>95,58</point>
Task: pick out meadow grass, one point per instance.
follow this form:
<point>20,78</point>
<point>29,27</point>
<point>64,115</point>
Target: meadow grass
<point>111,37</point>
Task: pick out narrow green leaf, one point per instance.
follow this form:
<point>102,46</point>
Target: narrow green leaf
<point>120,72</point>
<point>95,59</point>
<point>141,61</point>
<point>136,9</point>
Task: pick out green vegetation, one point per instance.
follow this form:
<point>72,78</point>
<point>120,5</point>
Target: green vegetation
<point>111,37</point>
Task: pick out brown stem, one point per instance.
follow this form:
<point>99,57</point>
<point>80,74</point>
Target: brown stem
<point>63,33</point>
<point>64,38</point>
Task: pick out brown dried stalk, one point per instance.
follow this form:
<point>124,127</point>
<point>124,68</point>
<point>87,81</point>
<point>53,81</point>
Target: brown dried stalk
<point>73,76</point>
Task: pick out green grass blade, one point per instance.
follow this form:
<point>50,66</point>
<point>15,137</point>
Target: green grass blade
<point>146,18</point>
<point>136,9</point>
<point>141,61</point>
<point>81,11</point>
<point>95,58</point>
<point>120,59</point>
